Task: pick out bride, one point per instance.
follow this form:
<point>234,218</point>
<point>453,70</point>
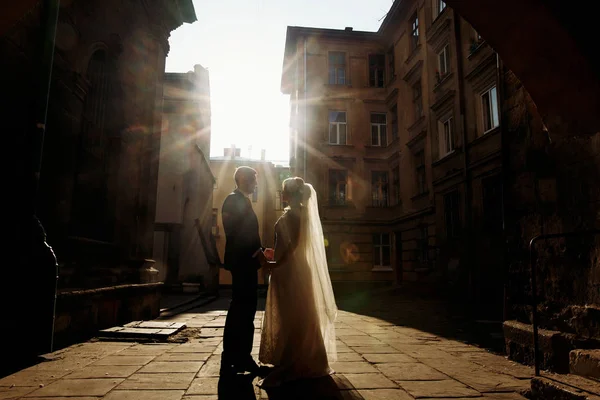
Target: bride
<point>298,333</point>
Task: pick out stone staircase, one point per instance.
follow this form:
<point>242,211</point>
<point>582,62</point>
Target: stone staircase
<point>582,383</point>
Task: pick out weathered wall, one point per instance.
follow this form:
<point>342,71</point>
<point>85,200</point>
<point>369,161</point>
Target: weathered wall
<point>552,187</point>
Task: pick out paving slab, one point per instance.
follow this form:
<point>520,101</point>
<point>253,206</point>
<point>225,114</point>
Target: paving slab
<point>370,381</point>
<point>125,360</point>
<point>388,358</point>
<point>203,386</point>
<point>172,366</point>
<point>384,394</point>
<point>187,356</point>
<point>16,392</point>
<point>144,395</point>
<point>32,377</point>
<point>350,356</point>
<point>356,367</point>
<point>410,372</point>
<point>158,381</point>
<point>77,387</point>
<point>104,371</point>
<point>438,389</point>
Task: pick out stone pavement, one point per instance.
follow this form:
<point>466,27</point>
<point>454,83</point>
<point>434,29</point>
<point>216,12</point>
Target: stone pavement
<point>382,355</point>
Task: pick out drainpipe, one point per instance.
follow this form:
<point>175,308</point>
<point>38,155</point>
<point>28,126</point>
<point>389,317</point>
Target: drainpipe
<point>305,133</point>
<point>466,176</point>
<point>504,151</point>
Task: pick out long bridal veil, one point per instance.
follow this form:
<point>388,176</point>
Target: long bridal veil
<point>313,244</point>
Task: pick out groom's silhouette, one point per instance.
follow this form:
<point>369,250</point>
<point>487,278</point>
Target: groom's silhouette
<point>243,257</point>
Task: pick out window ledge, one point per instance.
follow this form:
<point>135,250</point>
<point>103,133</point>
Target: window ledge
<point>335,85</point>
<point>420,195</point>
<point>483,136</point>
<point>413,53</point>
<point>441,81</point>
<point>475,47</point>
<point>338,145</point>
<point>447,156</point>
<point>382,268</point>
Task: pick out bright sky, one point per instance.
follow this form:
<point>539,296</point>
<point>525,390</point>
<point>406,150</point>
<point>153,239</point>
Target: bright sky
<point>241,42</point>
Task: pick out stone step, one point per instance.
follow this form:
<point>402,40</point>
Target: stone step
<point>564,387</point>
<point>585,363</point>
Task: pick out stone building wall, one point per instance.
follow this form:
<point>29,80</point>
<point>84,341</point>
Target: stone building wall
<point>552,187</point>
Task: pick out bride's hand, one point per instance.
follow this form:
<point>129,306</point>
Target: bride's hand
<point>269,254</point>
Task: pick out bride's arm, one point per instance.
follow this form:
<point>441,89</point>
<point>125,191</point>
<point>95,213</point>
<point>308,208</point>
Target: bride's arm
<point>286,240</point>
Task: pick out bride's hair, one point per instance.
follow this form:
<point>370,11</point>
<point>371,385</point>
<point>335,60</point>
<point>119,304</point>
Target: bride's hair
<point>296,189</point>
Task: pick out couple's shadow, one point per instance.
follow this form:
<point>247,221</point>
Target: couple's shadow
<point>242,387</point>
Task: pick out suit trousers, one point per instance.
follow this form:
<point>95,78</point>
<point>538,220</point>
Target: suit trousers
<point>239,324</point>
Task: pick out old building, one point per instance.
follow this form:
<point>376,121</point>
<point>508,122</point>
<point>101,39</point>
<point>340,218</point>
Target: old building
<point>99,173</point>
<point>266,199</point>
<point>184,249</point>
<point>401,128</point>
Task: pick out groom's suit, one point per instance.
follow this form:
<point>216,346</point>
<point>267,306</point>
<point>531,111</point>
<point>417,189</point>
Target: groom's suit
<point>242,241</point>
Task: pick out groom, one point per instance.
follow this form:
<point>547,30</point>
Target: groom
<point>243,257</point>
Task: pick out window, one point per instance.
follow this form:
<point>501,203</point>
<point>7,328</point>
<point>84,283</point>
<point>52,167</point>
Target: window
<point>376,70</point>
<point>394,113</point>
<point>420,170</point>
<point>337,127</point>
<point>382,250</point>
<point>451,214</point>
<point>391,63</point>
<point>337,68</point>
<point>492,204</point>
<point>489,105</point>
<point>338,185</point>
<point>379,188</point>
<point>417,100</point>
<point>440,6</point>
<point>414,35</point>
<point>443,62</point>
<point>378,129</point>
<point>215,225</point>
<point>255,195</point>
<point>446,137</point>
<point>396,185</point>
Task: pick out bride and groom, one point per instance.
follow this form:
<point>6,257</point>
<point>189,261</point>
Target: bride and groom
<point>298,333</point>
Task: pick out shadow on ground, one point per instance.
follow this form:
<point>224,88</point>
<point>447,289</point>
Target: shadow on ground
<point>428,313</point>
<point>335,387</point>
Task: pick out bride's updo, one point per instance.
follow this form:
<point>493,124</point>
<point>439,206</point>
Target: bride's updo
<point>296,190</point>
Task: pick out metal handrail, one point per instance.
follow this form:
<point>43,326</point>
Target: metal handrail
<point>532,260</point>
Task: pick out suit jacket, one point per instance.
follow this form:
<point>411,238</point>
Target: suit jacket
<point>241,232</point>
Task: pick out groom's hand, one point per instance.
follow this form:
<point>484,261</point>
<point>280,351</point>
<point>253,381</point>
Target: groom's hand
<point>262,259</point>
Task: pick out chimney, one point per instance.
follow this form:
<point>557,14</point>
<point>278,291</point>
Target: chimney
<point>263,154</point>
<point>348,29</point>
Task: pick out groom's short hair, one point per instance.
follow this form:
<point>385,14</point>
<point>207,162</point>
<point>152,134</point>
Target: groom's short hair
<point>243,172</point>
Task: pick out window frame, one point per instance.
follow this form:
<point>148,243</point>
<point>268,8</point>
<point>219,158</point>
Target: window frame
<point>490,112</point>
<point>446,137</point>
<point>379,246</point>
<point>380,190</point>
<point>377,68</point>
<point>336,201</point>
<point>337,125</point>
<point>336,68</point>
<point>382,140</point>
<point>446,64</point>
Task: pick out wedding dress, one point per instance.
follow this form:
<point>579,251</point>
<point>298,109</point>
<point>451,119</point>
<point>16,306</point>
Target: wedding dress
<point>298,333</point>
